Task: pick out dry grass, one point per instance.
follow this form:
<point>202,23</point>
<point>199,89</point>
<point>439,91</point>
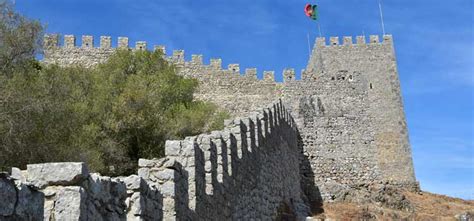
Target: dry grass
<point>439,206</point>
<point>427,206</point>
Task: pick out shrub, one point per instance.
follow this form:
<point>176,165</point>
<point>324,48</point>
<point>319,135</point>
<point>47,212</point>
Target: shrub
<point>108,116</point>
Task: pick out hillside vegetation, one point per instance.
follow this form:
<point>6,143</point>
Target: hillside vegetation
<point>108,116</point>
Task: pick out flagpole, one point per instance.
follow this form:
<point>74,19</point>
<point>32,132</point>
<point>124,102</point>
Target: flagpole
<point>319,29</point>
<point>381,17</point>
<point>309,47</point>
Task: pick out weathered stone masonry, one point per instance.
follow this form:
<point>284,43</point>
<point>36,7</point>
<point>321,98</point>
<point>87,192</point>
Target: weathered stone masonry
<point>348,105</point>
<point>245,172</point>
<point>350,114</point>
<point>349,131</point>
<point>225,87</point>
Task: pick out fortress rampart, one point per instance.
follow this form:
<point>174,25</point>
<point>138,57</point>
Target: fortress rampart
<point>336,131</point>
<point>347,105</point>
<point>244,172</point>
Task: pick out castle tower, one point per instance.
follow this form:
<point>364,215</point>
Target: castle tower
<point>351,118</point>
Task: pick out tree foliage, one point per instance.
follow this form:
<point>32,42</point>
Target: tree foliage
<point>19,39</point>
<point>108,116</point>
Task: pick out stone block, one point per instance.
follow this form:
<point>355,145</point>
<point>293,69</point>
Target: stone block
<point>41,175</point>
<point>360,40</point>
<point>171,163</point>
<point>18,175</point>
<point>188,150</point>
<point>146,163</point>
<point>196,59</point>
<point>334,40</point>
<point>30,203</point>
<point>50,41</point>
<point>172,148</point>
<point>160,48</point>
<point>144,173</point>
<point>105,42</point>
<point>136,205</point>
<point>167,174</point>
<point>122,42</point>
<point>216,63</point>
<point>50,191</point>
<point>141,45</point>
<point>48,209</point>
<point>8,197</point>
<point>69,41</point>
<point>168,189</point>
<point>178,56</point>
<point>70,204</point>
<point>133,182</point>
<point>87,41</point>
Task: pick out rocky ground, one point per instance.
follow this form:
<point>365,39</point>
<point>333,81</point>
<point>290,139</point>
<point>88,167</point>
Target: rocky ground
<point>408,206</point>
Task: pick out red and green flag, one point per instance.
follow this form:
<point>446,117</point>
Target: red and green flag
<point>311,11</point>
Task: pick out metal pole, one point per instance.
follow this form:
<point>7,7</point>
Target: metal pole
<point>381,17</point>
<point>319,29</point>
<point>309,47</point>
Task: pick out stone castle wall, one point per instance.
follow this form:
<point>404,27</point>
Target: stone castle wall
<point>239,94</point>
<point>244,172</point>
<point>347,106</point>
<point>352,119</point>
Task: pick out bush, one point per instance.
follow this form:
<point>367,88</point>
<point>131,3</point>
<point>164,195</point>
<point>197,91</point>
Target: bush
<point>108,116</point>
<point>142,102</point>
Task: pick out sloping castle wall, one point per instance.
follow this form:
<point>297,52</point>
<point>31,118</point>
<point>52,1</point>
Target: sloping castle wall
<point>347,106</point>
<point>244,172</point>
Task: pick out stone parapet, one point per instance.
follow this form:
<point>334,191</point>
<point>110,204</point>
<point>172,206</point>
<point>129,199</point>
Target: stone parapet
<point>244,172</point>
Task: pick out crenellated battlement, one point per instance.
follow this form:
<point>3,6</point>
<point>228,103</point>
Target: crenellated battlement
<point>347,107</point>
<point>348,41</point>
<point>61,53</point>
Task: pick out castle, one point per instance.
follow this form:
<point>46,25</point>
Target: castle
<point>291,145</point>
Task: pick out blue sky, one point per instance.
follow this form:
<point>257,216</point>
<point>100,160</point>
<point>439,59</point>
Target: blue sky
<point>433,41</point>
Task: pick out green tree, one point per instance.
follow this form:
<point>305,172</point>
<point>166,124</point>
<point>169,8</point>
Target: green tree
<point>37,119</point>
<point>142,102</point>
<point>108,116</point>
<point>20,39</point>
